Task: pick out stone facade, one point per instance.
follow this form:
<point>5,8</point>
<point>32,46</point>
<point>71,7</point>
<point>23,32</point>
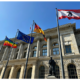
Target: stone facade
<point>69,35</point>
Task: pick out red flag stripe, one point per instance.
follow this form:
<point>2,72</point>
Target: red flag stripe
<point>69,17</point>
<point>76,11</point>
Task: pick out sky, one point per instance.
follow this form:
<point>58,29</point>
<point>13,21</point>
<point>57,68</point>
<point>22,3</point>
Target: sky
<point>20,15</point>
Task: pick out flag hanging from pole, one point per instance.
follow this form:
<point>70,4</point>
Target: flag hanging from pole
<point>10,43</point>
<point>24,37</point>
<point>39,30</point>
<point>70,14</point>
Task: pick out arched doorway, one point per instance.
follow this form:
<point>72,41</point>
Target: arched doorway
<point>42,72</point>
<point>29,73</point>
<point>72,71</point>
<point>18,73</point>
<point>57,72</point>
<point>8,73</point>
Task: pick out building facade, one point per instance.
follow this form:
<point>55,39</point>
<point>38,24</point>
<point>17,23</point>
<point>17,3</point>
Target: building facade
<point>40,53</point>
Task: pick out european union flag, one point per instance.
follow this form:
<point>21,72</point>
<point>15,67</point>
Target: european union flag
<point>24,37</point>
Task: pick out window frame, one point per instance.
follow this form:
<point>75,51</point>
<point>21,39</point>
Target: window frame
<point>53,47</point>
<point>24,55</point>
<point>0,70</point>
<point>40,71</point>
<point>34,53</point>
<point>74,70</point>
<point>25,51</point>
<point>68,49</point>
<point>34,49</point>
<point>44,48</point>
<point>16,54</point>
<point>44,52</point>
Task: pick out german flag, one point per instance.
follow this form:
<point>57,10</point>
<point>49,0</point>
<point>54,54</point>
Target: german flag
<point>39,30</point>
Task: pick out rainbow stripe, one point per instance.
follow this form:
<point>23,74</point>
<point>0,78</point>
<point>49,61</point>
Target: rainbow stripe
<point>10,43</point>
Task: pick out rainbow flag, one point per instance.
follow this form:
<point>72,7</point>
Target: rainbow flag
<point>10,43</point>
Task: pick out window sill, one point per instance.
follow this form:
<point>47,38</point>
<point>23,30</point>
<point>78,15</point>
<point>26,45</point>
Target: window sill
<point>42,56</point>
<point>32,57</point>
<point>69,53</point>
<point>55,55</point>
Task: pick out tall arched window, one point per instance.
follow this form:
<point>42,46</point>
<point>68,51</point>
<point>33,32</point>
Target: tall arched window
<point>8,73</point>
<point>0,70</point>
<point>29,73</point>
<point>55,49</point>
<point>42,72</point>
<point>16,54</point>
<point>25,51</point>
<point>18,73</point>
<point>24,56</point>
<point>72,71</point>
<point>34,52</point>
<point>57,74</point>
<point>44,50</point>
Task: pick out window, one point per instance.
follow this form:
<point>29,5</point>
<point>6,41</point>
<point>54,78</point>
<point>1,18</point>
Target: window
<point>42,72</point>
<point>17,50</point>
<point>68,49</point>
<point>16,54</point>
<point>18,73</point>
<point>44,52</point>
<point>35,47</point>
<point>34,54</point>
<point>57,74</point>
<point>24,53</point>
<point>55,51</point>
<point>25,49</point>
<point>44,46</point>
<point>55,44</point>
<point>29,73</point>
<point>72,71</point>
<point>8,73</point>
<point>0,70</point>
<point>24,56</point>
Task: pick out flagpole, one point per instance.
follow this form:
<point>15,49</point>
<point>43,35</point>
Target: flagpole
<point>8,58</point>
<point>28,52</point>
<point>60,50</point>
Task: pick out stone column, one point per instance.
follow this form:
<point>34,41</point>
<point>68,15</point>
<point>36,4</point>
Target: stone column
<point>12,72</point>
<point>48,46</point>
<point>38,48</point>
<point>5,54</point>
<point>22,72</point>
<point>20,52</point>
<point>33,71</point>
<point>62,45</point>
<point>2,72</point>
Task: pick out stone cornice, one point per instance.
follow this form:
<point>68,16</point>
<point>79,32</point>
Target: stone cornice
<point>33,59</point>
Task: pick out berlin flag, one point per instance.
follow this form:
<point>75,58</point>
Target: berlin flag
<point>70,14</point>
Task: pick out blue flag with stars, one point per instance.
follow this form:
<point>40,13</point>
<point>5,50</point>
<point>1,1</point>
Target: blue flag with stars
<point>24,37</point>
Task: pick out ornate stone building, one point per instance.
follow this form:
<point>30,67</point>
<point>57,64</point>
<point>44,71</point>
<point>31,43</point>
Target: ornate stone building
<point>40,53</point>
